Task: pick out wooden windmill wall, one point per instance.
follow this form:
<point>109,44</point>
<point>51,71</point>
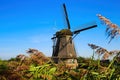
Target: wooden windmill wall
<point>66,47</point>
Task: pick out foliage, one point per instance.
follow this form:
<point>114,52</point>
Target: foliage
<point>42,72</point>
<point>29,68</point>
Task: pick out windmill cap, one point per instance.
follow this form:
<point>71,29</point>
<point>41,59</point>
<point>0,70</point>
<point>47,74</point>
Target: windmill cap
<point>63,32</point>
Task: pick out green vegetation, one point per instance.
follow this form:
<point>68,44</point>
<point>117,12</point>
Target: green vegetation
<point>37,66</point>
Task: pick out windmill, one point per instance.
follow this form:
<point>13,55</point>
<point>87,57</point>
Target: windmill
<point>63,46</point>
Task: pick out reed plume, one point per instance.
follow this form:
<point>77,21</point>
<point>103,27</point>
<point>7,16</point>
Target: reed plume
<point>112,29</point>
<point>100,50</point>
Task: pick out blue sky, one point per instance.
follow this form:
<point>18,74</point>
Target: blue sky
<point>31,24</point>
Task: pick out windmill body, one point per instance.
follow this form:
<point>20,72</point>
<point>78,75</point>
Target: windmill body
<point>63,46</point>
<point>63,49</point>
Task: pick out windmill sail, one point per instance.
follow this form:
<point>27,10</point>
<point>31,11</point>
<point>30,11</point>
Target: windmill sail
<point>66,16</point>
<point>86,27</point>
